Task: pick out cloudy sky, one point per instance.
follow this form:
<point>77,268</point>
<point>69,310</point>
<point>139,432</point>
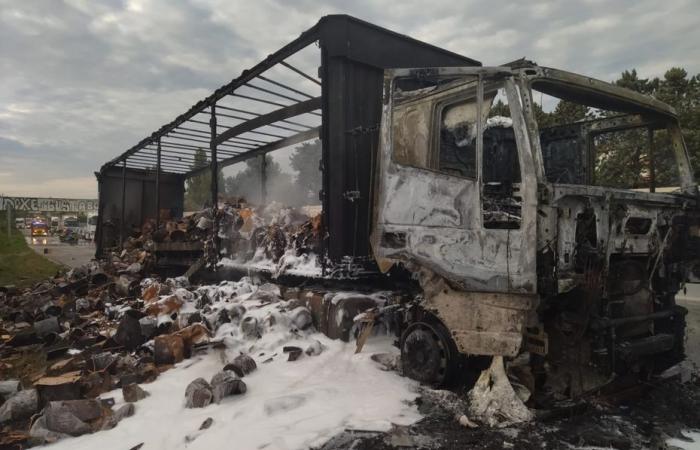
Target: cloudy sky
<point>82,80</point>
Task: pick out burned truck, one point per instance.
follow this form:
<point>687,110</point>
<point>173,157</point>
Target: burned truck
<point>516,244</point>
<point>499,234</point>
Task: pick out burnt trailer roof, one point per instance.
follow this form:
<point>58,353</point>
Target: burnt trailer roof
<point>325,84</point>
<point>255,132</point>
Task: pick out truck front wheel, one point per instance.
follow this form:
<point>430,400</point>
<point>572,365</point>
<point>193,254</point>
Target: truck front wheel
<point>429,355</point>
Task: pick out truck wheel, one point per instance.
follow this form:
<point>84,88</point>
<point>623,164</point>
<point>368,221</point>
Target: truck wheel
<point>428,354</point>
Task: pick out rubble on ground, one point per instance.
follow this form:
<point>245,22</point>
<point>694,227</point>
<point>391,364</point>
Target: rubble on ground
<point>68,342</point>
<point>276,239</point>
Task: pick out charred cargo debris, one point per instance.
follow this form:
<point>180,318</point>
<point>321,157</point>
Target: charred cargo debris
<point>68,343</point>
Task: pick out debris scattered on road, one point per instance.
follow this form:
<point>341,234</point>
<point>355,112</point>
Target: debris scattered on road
<point>133,393</point>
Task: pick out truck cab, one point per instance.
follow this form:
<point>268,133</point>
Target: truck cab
<point>525,236</point>
<point>71,224</point>
<point>91,227</point>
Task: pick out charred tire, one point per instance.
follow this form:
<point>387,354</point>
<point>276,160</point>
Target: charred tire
<point>429,355</point>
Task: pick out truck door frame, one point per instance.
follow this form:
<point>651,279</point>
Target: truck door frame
<point>473,276</point>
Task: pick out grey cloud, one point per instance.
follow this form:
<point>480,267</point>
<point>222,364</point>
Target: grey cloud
<point>83,80</point>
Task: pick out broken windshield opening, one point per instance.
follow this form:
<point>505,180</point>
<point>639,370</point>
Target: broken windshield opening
<point>501,203</point>
<point>586,145</point>
<point>458,127</point>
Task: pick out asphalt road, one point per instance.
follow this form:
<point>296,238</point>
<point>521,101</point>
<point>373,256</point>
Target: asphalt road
<point>71,255</point>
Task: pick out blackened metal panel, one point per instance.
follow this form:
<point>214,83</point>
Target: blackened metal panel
<point>375,46</point>
<point>354,111</point>
<point>354,56</point>
<point>140,201</point>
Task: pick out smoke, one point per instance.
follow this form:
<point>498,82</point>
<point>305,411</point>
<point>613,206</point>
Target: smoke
<point>298,189</point>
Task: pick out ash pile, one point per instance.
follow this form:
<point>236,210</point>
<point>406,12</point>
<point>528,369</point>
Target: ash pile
<point>274,238</point>
<point>68,341</point>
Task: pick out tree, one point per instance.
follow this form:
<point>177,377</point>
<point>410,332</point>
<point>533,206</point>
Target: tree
<point>198,188</point>
<point>568,112</point>
<point>306,160</point>
<point>624,160</point>
<point>247,183</point>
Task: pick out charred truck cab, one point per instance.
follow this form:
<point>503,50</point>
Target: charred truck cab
<point>516,245</point>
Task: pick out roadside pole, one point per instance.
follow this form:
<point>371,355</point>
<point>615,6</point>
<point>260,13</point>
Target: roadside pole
<point>9,220</point>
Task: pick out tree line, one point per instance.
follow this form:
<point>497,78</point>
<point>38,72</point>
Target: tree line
<point>298,189</point>
<point>624,159</point>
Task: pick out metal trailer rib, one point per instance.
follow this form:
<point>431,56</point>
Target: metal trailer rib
<point>284,86</point>
<point>291,140</point>
<point>305,39</point>
<point>147,161</point>
<point>183,146</point>
<point>308,77</point>
<point>277,94</point>
<point>291,122</point>
<point>283,113</point>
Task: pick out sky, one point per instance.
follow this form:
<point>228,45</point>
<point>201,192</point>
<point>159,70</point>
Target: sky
<point>83,80</point>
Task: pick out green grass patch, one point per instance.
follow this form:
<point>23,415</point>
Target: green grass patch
<point>19,264</point>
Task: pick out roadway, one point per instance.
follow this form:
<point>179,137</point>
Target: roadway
<point>70,255</point>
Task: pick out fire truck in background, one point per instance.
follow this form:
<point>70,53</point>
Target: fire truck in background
<point>39,231</point>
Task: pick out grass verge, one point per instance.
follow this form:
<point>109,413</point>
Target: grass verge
<point>19,264</point>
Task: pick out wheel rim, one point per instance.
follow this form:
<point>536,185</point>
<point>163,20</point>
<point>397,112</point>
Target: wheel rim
<point>424,354</point>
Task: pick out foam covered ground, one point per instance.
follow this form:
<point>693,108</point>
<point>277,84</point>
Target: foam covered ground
<point>288,405</point>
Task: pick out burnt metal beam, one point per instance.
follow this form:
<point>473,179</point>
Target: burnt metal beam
<point>284,86</point>
<point>158,185</point>
<point>149,164</point>
<point>256,132</point>
<point>152,158</point>
<point>274,116</point>
<point>291,122</point>
<point>269,102</point>
<point>197,140</point>
<point>195,149</point>
<point>151,155</point>
<point>178,132</point>
<point>308,77</point>
<point>171,154</point>
<point>121,222</point>
<point>281,127</point>
<point>268,91</point>
<point>291,140</point>
<point>214,162</point>
<point>194,130</point>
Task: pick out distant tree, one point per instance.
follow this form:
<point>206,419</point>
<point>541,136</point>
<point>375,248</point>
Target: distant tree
<point>306,160</point>
<point>247,183</point>
<point>630,79</point>
<point>198,188</point>
<point>623,159</point>
<point>568,112</point>
<point>499,109</point>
